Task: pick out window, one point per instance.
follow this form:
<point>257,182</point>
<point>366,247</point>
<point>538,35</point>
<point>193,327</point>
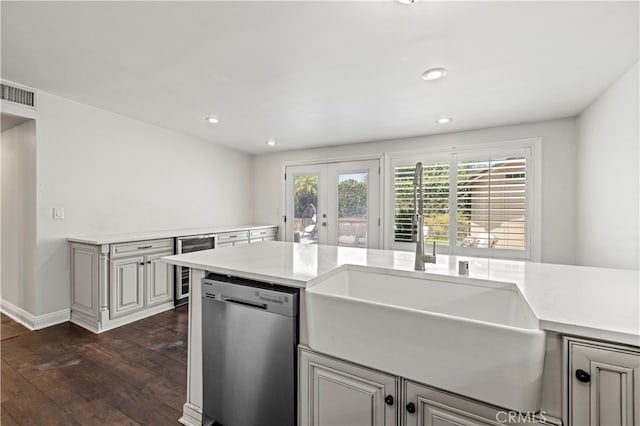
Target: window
<point>491,207</point>
<point>436,206</point>
<point>477,202</point>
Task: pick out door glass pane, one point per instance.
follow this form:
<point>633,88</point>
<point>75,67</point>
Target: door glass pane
<point>305,204</point>
<point>352,209</point>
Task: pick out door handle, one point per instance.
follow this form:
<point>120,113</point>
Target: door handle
<point>388,400</point>
<point>324,223</point>
<point>411,407</point>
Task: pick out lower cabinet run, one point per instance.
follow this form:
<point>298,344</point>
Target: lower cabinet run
<point>334,392</point>
<point>339,393</point>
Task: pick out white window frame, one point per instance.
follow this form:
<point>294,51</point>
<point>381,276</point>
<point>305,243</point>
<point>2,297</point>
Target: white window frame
<point>530,147</point>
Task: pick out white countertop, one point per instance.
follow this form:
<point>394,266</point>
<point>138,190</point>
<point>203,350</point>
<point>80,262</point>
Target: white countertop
<point>167,233</point>
<point>590,302</point>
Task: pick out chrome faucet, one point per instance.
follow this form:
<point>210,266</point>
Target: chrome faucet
<point>418,222</point>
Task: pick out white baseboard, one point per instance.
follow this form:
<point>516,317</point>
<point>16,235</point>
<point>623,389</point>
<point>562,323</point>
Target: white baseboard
<point>33,322</point>
<point>191,415</point>
<point>53,318</point>
<point>17,314</point>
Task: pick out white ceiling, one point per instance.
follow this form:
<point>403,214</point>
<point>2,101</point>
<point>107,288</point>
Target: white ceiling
<point>321,73</point>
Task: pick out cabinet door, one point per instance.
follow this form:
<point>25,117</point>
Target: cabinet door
<point>126,286</point>
<point>159,279</point>
<point>603,386</point>
<point>338,393</point>
<point>425,406</point>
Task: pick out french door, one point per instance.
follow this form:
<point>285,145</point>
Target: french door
<point>333,203</point>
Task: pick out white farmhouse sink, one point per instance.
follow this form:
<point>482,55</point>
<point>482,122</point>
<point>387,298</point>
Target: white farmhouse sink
<point>475,338</point>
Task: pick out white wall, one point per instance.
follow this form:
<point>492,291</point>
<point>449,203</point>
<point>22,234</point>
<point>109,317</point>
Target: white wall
<point>113,174</point>
<point>558,173</point>
<point>607,179</point>
<point>18,215</point>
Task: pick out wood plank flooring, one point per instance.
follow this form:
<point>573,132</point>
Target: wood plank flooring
<point>66,375</point>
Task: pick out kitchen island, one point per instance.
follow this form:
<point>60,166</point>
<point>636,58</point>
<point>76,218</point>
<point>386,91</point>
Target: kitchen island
<point>583,302</point>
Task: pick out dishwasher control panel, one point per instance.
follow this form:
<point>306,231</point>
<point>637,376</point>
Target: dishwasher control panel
<point>277,299</point>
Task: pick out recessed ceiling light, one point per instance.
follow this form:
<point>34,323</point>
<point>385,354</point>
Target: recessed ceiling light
<point>212,119</point>
<point>444,120</point>
<point>271,142</point>
<point>408,1</point>
<point>434,74</point>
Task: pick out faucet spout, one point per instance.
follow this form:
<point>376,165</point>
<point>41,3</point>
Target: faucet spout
<point>418,221</point>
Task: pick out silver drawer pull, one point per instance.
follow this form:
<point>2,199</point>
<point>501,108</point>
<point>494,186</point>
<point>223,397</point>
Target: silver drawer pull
<point>144,247</point>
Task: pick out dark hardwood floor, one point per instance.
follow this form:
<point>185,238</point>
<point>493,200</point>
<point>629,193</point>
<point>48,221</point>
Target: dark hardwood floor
<point>66,375</point>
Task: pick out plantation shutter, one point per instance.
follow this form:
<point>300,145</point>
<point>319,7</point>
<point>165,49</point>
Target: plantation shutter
<point>491,203</point>
<point>436,207</point>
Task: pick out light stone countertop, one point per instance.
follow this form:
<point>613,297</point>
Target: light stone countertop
<point>596,303</point>
<point>167,233</point>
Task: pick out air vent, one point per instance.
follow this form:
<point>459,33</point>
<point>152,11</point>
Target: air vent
<point>17,95</point>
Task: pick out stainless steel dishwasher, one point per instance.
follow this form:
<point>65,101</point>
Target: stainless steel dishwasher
<point>249,339</point>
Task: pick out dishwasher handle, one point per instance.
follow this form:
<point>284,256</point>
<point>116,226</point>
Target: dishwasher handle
<point>241,302</point>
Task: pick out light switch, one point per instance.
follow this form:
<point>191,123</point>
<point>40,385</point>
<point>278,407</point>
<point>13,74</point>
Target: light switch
<point>58,212</point>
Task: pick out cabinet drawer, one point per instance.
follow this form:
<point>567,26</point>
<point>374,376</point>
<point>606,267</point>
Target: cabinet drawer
<point>141,247</point>
<point>232,236</point>
<point>263,233</point>
<point>426,406</point>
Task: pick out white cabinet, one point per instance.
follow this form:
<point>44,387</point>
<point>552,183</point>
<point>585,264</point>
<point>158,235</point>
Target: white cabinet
<point>226,239</point>
<point>114,284</point>
<point>337,392</point>
<point>120,282</point>
<point>603,383</point>
<point>138,279</point>
<point>139,282</point>
<point>266,234</point>
<point>334,392</point>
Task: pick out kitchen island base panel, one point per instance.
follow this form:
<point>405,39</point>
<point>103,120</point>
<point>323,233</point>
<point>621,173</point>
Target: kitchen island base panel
<point>192,409</point>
